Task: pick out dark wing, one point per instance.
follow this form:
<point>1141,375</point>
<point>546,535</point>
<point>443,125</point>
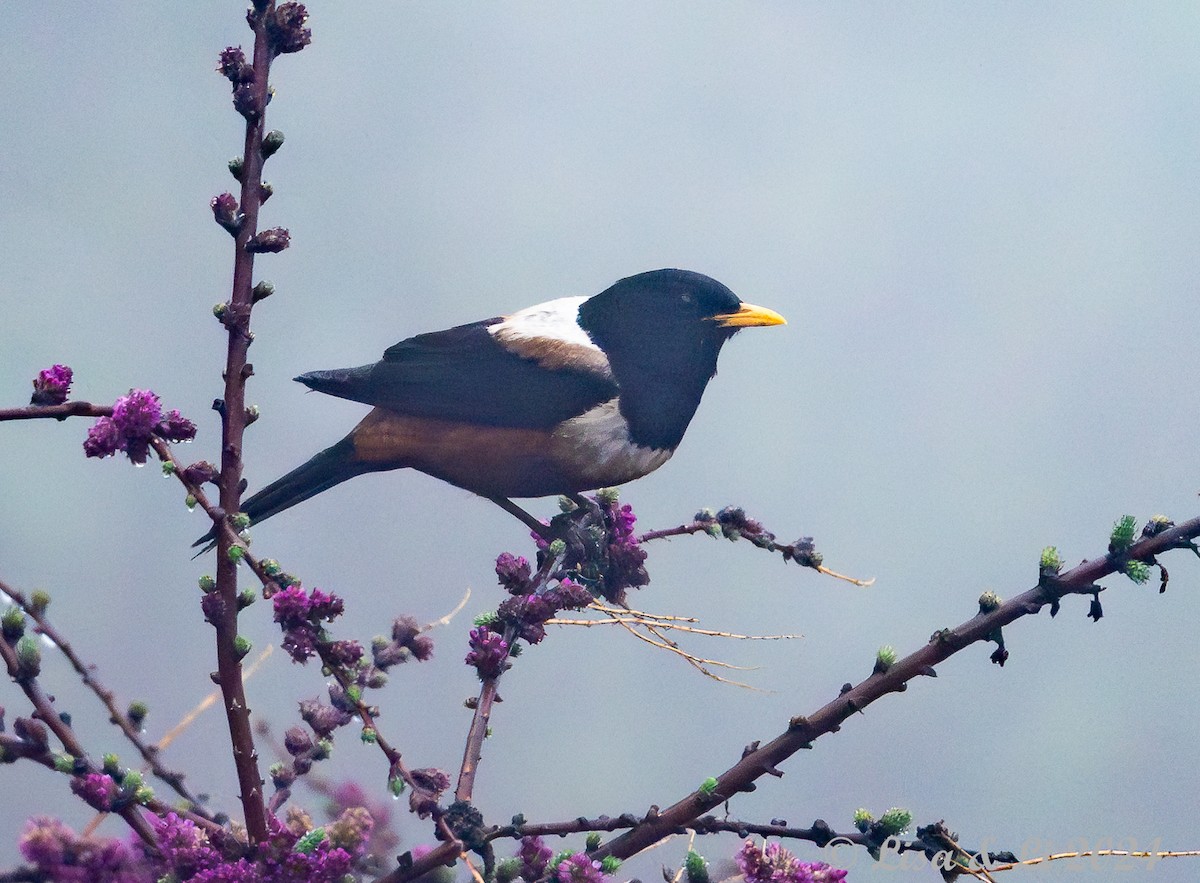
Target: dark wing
<point>463,374</point>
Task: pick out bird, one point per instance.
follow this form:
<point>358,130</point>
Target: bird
<point>562,397</point>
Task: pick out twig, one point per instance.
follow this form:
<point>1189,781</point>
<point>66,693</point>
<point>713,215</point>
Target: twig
<point>802,731</point>
<point>44,709</point>
<point>56,412</point>
<point>148,752</point>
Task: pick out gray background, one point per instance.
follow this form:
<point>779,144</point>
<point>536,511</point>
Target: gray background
<point>979,219</point>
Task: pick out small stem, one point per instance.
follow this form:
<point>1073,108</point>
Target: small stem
<point>475,736</point>
<point>57,412</point>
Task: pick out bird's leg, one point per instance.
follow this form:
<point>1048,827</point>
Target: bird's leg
<point>542,530</point>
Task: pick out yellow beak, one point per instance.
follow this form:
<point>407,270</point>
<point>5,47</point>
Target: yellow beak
<point>749,316</point>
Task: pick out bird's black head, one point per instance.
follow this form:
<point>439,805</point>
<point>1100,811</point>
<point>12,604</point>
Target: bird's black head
<point>662,332</point>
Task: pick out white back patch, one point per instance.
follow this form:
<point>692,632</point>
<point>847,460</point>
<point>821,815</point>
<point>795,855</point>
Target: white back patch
<point>550,334</point>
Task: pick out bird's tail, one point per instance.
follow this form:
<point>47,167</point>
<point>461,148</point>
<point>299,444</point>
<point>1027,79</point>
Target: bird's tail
<point>332,466</point>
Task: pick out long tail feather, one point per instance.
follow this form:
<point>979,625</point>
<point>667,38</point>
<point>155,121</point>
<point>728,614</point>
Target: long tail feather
<point>330,467</point>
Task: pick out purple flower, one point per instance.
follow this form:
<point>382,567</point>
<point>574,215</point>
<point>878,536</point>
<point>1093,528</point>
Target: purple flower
<point>323,719</point>
<point>342,653</point>
<point>270,241</point>
<point>296,741</point>
<point>137,414</point>
<point>534,855</point>
<point>232,65</point>
<point>488,652</point>
<point>570,595</point>
<point>176,428</point>
<point>96,789</point>
<point>135,418</point>
<point>200,472</point>
<point>51,386</point>
<point>578,868</point>
<point>103,439</point>
<point>59,854</point>
<point>513,573</point>
<point>774,864</point>
<point>286,29</point>
<point>225,212</point>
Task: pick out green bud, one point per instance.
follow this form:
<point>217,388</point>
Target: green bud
<point>271,567</point>
<point>144,795</point>
<point>236,553</point>
<point>246,597</point>
<point>557,548</point>
<point>271,143</point>
<point>190,501</point>
<point>241,646</point>
<point>696,867</point>
<point>714,530</point>
<point>608,495</point>
<point>261,291</point>
<point>592,842</point>
<point>566,504</point>
<point>516,650</point>
<point>132,780</point>
<point>895,821</point>
<point>369,736</point>
<point>1051,562</point>
<point>168,468</point>
<point>39,600</point>
<point>1122,534</point>
<point>885,658</point>
<point>64,763</point>
<point>207,583</point>
<point>310,841</point>
<point>137,712</point>
<point>220,309</point>
<point>709,786</point>
<point>323,749</point>
<point>12,623</point>
<point>396,786</point>
<point>989,601</point>
<point>1138,571</point>
<point>489,619</point>
<point>235,167</point>
<point>508,870</point>
<point>240,521</point>
<point>377,680</point>
<point>609,864</point>
<point>252,414</point>
<point>863,819</point>
<point>112,765</point>
<point>29,657</point>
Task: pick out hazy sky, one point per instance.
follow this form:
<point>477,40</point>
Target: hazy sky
<point>980,220</point>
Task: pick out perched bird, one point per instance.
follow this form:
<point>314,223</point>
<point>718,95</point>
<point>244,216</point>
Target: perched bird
<point>566,396</point>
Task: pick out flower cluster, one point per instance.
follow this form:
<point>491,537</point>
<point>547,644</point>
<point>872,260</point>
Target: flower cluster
<point>489,652</point>
<point>136,418</point>
<point>528,613</point>
<point>300,615</point>
<point>535,855</point>
<point>51,386</point>
<point>774,864</point>
<point>286,29</point>
<point>59,854</point>
<point>579,868</point>
<point>625,557</point>
<point>293,853</point>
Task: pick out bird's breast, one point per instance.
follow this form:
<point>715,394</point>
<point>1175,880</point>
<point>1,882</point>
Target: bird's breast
<point>584,453</point>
